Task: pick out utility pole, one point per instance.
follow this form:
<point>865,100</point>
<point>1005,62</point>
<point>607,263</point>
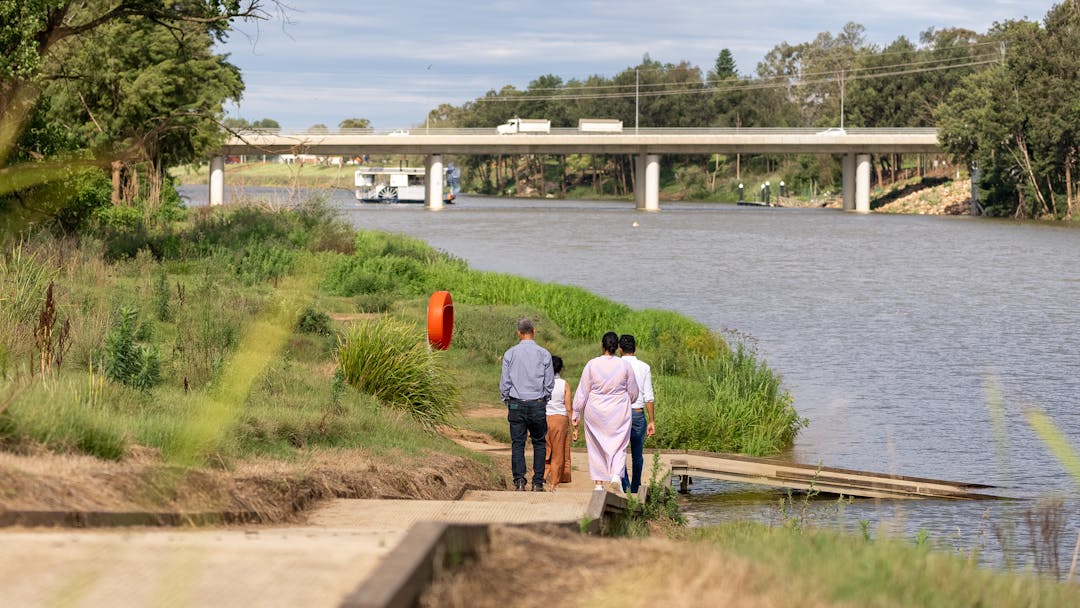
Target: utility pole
<point>841,98</point>
<point>637,94</point>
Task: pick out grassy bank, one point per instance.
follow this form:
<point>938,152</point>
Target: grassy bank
<point>209,341</point>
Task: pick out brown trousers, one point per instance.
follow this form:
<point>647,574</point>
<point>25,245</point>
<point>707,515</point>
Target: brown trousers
<point>557,457</point>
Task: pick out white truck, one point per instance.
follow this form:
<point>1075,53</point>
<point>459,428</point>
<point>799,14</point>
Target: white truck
<point>524,125</point>
<point>599,125</point>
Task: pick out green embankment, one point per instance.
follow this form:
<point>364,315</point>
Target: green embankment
<point>145,343</point>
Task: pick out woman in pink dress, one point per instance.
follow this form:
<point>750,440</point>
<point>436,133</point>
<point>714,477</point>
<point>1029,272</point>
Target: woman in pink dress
<point>603,398</point>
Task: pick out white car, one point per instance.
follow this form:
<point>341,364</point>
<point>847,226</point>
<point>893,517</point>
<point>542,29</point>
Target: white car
<point>833,131</point>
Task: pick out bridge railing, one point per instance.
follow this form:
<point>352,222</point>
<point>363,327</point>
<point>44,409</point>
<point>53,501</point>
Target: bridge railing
<point>424,131</point>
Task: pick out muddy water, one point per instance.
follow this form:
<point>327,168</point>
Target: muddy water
<point>886,329</point>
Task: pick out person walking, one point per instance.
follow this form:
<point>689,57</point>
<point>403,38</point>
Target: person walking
<point>557,460</point>
<point>525,386</point>
<point>641,426</point>
<point>603,399</point>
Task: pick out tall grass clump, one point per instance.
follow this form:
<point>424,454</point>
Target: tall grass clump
<point>730,404</point>
<point>390,360</point>
<point>24,280</point>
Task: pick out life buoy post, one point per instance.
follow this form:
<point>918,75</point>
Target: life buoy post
<point>440,320</point>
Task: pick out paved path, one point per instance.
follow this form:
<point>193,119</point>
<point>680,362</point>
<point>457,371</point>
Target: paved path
<point>315,564</point>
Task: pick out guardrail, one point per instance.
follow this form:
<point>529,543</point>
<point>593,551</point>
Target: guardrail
<point>422,131</point>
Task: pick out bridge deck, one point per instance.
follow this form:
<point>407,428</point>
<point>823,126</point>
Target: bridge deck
<point>563,141</point>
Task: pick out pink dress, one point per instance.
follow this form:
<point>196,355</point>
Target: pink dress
<point>604,395</point>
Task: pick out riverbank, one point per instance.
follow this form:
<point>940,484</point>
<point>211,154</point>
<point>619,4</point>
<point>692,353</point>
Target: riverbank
<point>213,357</point>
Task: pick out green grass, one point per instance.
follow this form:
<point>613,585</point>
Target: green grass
<point>850,570</point>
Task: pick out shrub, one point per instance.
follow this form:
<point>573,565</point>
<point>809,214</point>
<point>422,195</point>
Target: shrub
<point>314,322</point>
<point>374,302</point>
<point>127,362</point>
<point>389,360</point>
<point>260,262</point>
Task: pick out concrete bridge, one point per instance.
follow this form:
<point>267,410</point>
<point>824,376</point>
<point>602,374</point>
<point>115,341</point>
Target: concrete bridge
<point>646,145</point>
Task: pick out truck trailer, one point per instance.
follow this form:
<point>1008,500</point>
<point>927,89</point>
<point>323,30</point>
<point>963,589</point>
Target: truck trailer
<point>524,125</point>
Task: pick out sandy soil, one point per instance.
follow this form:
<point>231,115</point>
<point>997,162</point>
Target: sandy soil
<point>275,490</point>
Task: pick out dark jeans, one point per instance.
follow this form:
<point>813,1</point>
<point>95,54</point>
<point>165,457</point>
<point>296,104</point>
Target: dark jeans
<point>638,425</point>
<point>527,418</point>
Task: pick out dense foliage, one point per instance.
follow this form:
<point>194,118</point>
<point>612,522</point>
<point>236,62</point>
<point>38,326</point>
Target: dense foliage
<point>1018,121</point>
<point>127,86</point>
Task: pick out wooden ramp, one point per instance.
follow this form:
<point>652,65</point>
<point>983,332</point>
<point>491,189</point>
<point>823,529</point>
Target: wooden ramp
<point>781,474</point>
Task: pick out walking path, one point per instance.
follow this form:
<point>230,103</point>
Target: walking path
<point>316,564</point>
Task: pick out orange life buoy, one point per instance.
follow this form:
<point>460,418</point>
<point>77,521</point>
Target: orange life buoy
<point>440,320</point>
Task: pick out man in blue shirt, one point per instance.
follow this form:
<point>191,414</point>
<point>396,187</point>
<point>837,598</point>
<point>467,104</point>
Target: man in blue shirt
<point>525,385</point>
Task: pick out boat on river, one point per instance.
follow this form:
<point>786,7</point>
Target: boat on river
<point>402,184</point>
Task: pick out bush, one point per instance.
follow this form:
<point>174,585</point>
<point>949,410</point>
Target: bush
<point>374,302</point>
<point>314,322</point>
<point>391,361</point>
<point>260,262</point>
<point>127,362</point>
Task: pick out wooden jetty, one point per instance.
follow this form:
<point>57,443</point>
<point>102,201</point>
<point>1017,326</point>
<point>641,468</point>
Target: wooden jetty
<point>782,474</point>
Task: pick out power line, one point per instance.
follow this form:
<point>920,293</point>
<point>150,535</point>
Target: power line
<point>787,82</point>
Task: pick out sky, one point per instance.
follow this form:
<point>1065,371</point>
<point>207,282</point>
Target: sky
<point>392,61</point>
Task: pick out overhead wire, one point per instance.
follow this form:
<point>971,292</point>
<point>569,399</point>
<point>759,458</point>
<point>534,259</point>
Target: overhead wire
<point>780,82</point>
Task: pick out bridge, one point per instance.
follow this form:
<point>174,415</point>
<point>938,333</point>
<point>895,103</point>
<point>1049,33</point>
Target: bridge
<point>646,145</point>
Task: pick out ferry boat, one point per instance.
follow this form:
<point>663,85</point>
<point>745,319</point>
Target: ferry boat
<point>402,184</point>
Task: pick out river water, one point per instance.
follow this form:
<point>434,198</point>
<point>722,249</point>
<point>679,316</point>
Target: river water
<point>887,329</point>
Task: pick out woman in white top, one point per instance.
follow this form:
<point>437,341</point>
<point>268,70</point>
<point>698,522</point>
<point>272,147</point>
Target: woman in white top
<point>557,460</point>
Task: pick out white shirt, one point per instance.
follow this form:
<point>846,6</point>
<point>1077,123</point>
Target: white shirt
<point>556,406</point>
<point>643,376</point>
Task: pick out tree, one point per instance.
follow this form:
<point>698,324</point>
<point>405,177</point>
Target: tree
<point>33,36</point>
<point>355,123</point>
<point>156,93</point>
<point>1018,122</point>
<point>724,68</point>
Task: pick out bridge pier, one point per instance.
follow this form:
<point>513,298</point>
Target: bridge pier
<point>848,187</point>
<point>217,180</point>
<point>647,182</point>
<point>433,181</point>
<point>862,183</point>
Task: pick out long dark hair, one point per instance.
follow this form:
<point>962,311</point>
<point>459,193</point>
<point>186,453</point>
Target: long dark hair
<point>556,364</point>
<point>610,342</point>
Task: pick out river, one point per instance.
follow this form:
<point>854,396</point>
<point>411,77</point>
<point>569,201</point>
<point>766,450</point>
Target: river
<point>887,329</point>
